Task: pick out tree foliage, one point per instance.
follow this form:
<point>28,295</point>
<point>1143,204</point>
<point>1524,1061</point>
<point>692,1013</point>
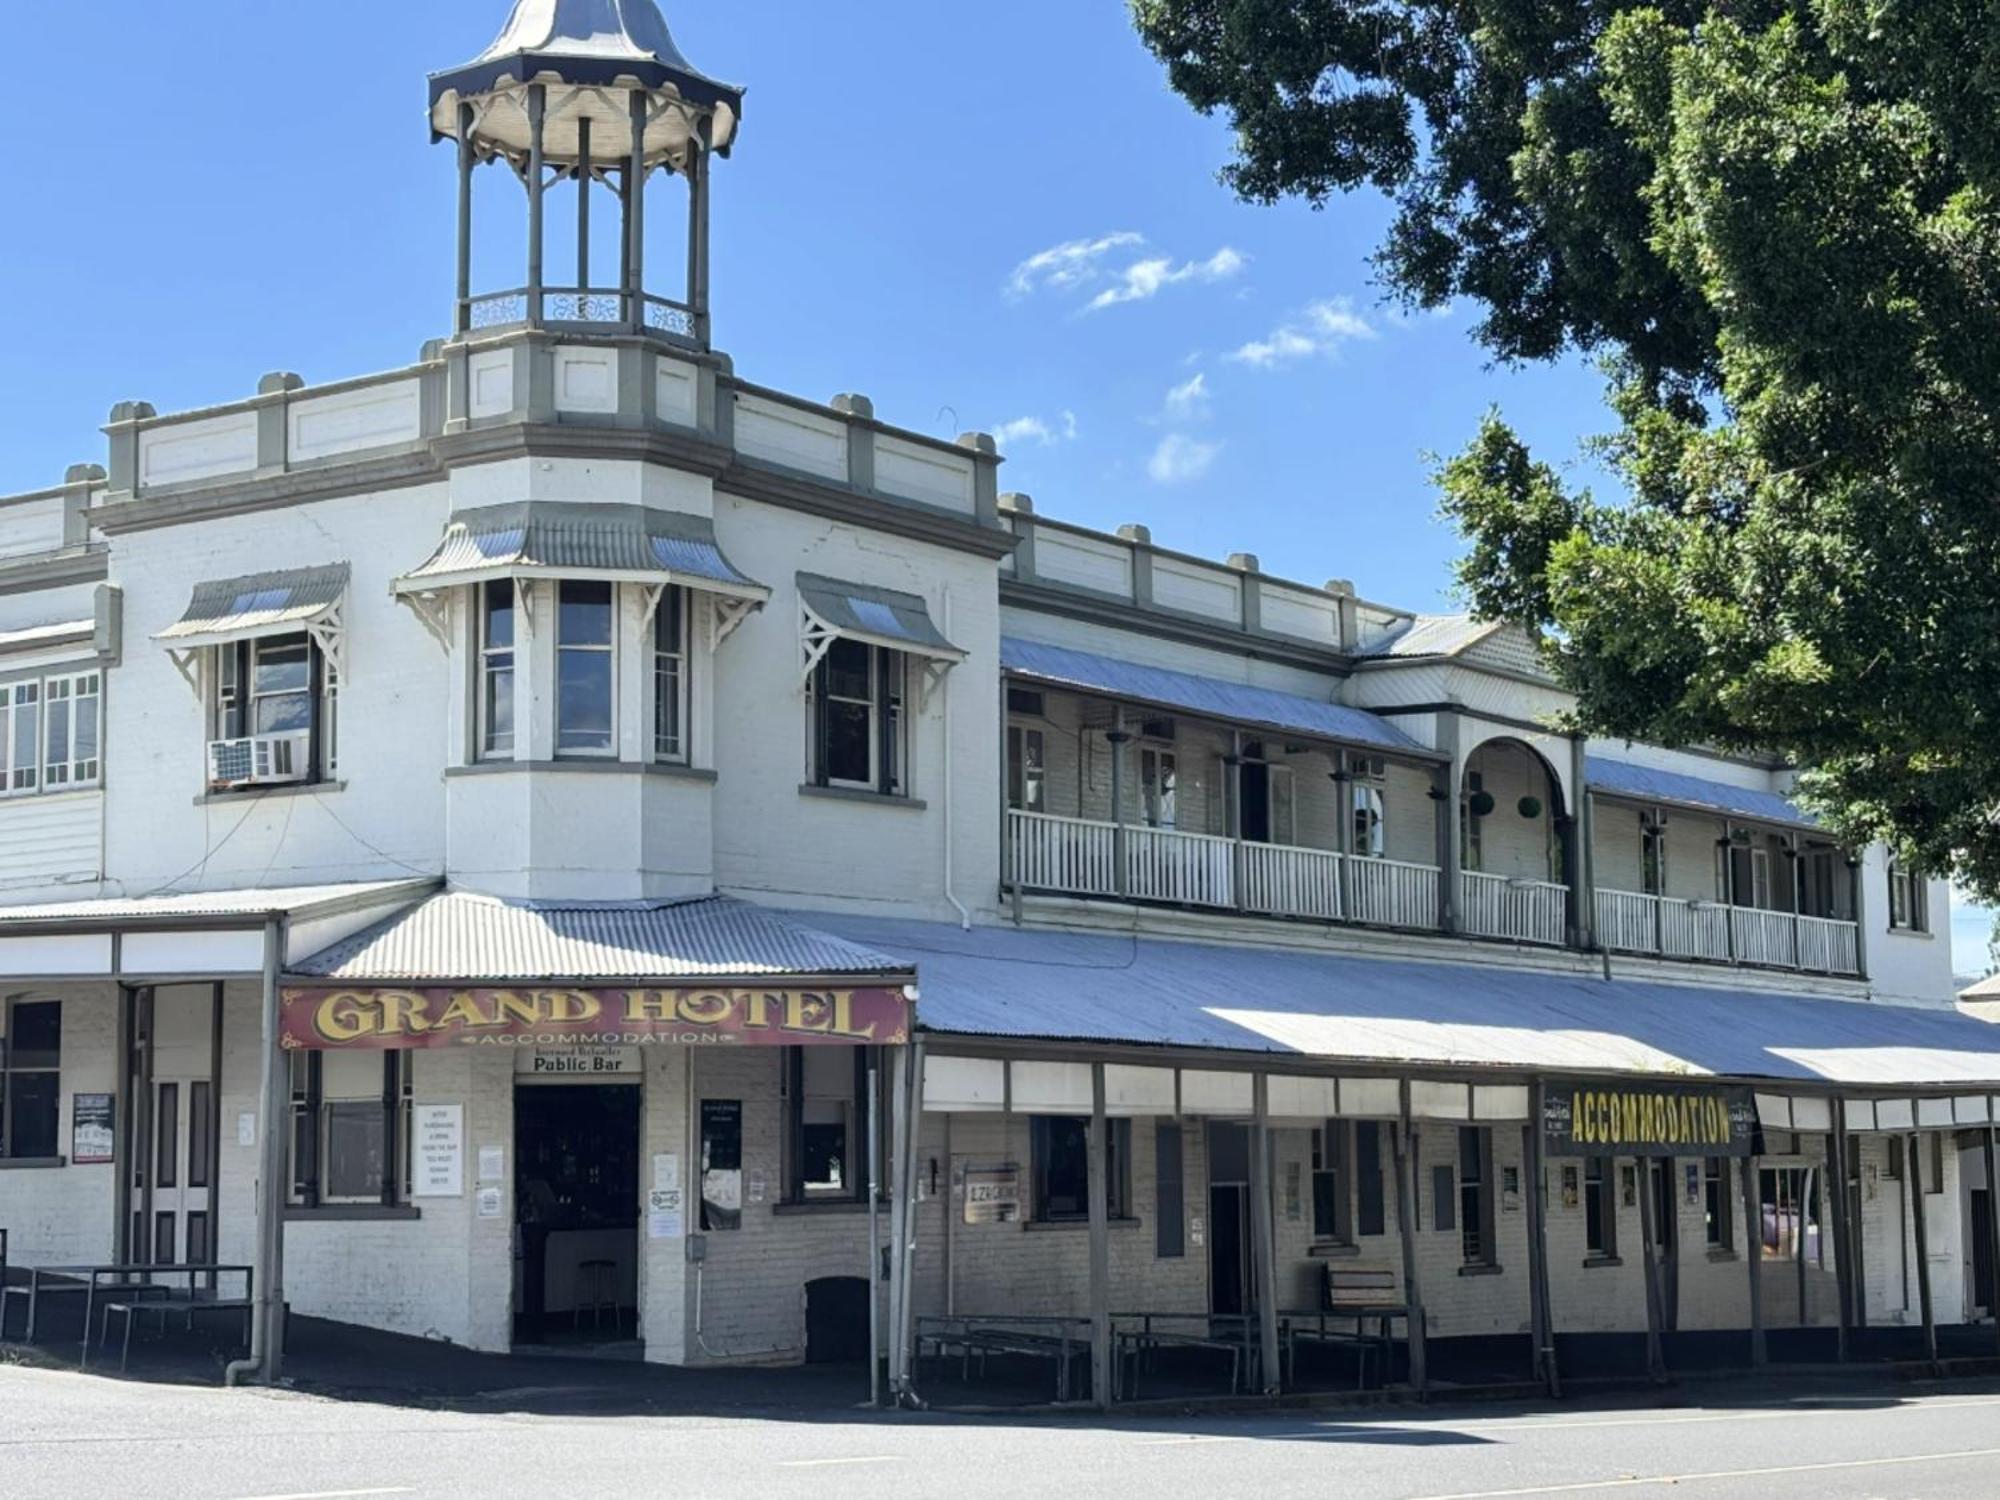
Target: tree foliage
<point>1776,224</point>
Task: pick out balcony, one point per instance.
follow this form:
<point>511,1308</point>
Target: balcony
<point>1714,932</point>
<point>1081,857</point>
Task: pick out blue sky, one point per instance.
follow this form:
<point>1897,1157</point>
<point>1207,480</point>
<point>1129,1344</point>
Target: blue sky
<point>982,217</point>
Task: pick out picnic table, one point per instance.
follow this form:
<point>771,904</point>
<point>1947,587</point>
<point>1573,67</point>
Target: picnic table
<point>1061,1339</point>
<point>134,1283</point>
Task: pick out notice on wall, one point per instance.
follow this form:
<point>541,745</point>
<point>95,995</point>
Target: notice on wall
<point>993,1194</point>
<point>92,1138</point>
<point>667,1170</point>
<point>492,1163</point>
<point>246,1129</point>
<point>1294,1197</point>
<point>438,1148</point>
<point>671,1226</point>
<point>489,1203</point>
<point>721,1164</point>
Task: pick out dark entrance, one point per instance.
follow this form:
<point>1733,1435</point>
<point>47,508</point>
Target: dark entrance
<point>837,1320</point>
<point>1664,1188</point>
<point>1256,779</point>
<point>1982,1249</point>
<point>1230,1289</point>
<point>576,1205</point>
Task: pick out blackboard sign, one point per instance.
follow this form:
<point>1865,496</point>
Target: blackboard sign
<point>721,1164</point>
<point>1648,1119</point>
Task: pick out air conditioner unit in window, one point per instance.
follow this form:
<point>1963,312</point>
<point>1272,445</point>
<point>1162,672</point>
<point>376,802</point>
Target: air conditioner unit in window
<point>260,759</point>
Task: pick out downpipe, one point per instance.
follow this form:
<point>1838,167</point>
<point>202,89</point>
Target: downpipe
<point>944,687</point>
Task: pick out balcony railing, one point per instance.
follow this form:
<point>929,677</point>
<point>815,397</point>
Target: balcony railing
<point>587,308</point>
<point>1503,906</point>
<point>1628,922</point>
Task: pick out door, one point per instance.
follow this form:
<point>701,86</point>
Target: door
<point>1666,1230</point>
<point>1982,1250</point>
<point>1230,1289</point>
<point>172,1137</point>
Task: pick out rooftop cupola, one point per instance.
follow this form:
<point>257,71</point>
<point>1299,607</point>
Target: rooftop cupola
<point>587,92</point>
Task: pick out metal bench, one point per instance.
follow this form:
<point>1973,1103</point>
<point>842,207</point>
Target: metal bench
<point>186,1304</point>
<point>1356,1295</point>
<point>1136,1344</point>
<point>969,1336</point>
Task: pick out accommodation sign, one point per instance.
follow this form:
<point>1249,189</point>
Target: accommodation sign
<point>322,1020</point>
<point>1628,1119</point>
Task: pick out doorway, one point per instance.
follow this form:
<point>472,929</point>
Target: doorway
<point>1981,1230</point>
<point>1231,1288</point>
<point>1268,805</point>
<point>576,1208</point>
<point>1664,1172</point>
<point>172,1136</point>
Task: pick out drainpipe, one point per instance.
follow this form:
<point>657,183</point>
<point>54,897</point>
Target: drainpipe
<point>964,916</point>
<point>267,1336</point>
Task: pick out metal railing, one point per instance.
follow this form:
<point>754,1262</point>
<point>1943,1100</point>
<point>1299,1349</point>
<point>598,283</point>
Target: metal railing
<point>1629,922</point>
<point>580,307</point>
<point>1508,906</point>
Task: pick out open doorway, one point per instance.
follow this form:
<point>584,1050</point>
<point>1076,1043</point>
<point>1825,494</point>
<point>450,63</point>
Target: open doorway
<point>576,1205</point>
<point>1664,1186</point>
<point>1231,1289</point>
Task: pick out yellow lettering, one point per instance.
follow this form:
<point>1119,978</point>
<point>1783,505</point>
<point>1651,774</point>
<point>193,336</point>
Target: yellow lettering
<point>708,1008</point>
<point>403,1011</point>
<point>648,1005</point>
<point>343,1016</point>
<point>461,1010</point>
<point>807,1011</point>
<point>843,1016</point>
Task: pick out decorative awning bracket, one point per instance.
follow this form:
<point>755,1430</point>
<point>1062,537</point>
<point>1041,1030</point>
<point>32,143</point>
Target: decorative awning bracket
<point>729,613</point>
<point>433,611</point>
<point>188,664</point>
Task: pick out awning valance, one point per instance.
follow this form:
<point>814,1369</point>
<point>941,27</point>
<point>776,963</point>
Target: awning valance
<point>299,601</point>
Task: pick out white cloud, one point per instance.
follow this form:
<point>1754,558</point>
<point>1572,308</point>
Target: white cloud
<point>1180,459</point>
<point>1143,280</point>
<point>1188,401</point>
<point>1070,264</point>
<point>1322,328</point>
<point>1023,430</point>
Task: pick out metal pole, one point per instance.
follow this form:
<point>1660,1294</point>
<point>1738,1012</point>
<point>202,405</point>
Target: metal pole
<point>635,216</point>
<point>1235,797</point>
<point>698,190</point>
<point>898,1200</point>
<point>1843,1270</point>
<point>1543,1319</point>
<point>538,112</point>
<point>123,1136</point>
<point>267,1322</point>
<point>1916,1176</point>
<point>1404,1143</point>
<point>913,1134</point>
<point>874,1234</point>
<point>1753,1255</point>
<point>1100,1244</point>
<point>582,207</point>
<point>1656,1363</point>
<point>466,161</point>
<point>1121,876</point>
<point>1263,1235</point>
<point>1992,1232</point>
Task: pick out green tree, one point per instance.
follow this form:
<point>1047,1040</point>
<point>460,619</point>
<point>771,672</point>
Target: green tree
<point>1776,225</point>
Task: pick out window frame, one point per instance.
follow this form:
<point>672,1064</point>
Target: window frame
<point>1021,773</point>
<point>607,649</point>
<point>1718,1223</point>
<point>796,1192</point>
<point>672,610</point>
<point>1118,1182</point>
<point>492,663</point>
<point>1159,786</point>
<point>78,773</point>
<point>1333,1160</point>
<point>1653,869</point>
<point>1600,1220</point>
<point>311,1114</point>
<point>1909,899</point>
<point>1368,817</point>
<point>1476,1219</point>
<point>233,697</point>
<point>887,720</point>
<point>11,1069</point>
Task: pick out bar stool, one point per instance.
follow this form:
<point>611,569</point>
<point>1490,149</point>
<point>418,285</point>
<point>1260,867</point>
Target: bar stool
<point>597,1290</point>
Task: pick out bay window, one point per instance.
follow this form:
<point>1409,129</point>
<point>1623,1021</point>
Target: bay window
<point>51,731</point>
<point>586,633</point>
<point>670,676</point>
<point>497,606</point>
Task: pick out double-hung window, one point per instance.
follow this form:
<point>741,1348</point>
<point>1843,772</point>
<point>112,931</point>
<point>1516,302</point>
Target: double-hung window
<point>1909,899</point>
<point>350,1128</point>
<point>1475,1194</point>
<point>1060,1145</point>
<point>1027,768</point>
<point>30,1080</point>
<point>1159,787</point>
<point>1715,1202</point>
<point>586,684</point>
<point>1369,834</point>
<point>1600,1210</point>
<point>1652,855</point>
<point>282,687</point>
<point>670,676</point>
<point>1333,1184</point>
<point>857,718</point>
<point>497,613</point>
<point>51,733</point>
<point>826,1099</point>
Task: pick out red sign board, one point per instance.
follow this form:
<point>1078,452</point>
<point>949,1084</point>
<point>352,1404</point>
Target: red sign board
<point>383,1019</point>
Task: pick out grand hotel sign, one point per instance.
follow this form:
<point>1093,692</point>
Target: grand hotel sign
<point>383,1019</point>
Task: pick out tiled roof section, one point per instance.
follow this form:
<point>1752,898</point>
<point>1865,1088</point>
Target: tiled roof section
<point>1643,783</point>
<point>553,537</point>
<point>1062,986</point>
<point>259,604</point>
<point>1233,702</point>
<point>249,902</point>
<point>461,936</point>
<point>882,617</point>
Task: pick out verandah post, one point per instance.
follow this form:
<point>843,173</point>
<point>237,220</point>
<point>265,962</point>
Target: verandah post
<point>1992,1230</point>
<point>1922,1232</point>
<point>1263,1237</point>
<point>1656,1364</point>
<point>1542,1320</point>
<point>1404,1144</point>
<point>1100,1244</point>
<point>1753,1254</point>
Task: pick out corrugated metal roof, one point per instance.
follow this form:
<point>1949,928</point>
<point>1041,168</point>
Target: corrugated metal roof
<point>1007,982</point>
<point>248,902</point>
<point>457,935</point>
<point>882,617</point>
<point>1433,635</point>
<point>37,637</point>
<point>1623,778</point>
<point>258,604</point>
<point>1234,702</point>
<point>555,537</point>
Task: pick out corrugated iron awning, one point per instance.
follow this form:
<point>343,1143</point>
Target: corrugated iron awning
<point>1620,778</point>
<point>876,616</point>
<point>259,604</point>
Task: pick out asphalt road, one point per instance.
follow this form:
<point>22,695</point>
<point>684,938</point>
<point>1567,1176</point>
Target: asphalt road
<point>64,1435</point>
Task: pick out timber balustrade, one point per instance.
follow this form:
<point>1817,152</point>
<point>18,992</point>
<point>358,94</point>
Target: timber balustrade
<point>1667,926</point>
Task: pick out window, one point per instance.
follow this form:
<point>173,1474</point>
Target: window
<point>50,730</point>
<point>278,685</point>
<point>1909,899</point>
<point>1061,1155</point>
<point>826,1098</point>
<point>670,676</point>
<point>31,1080</point>
<point>1788,1203</point>
<point>496,669</point>
<point>350,1127</point>
<point>1026,702</point>
<point>1652,855</point>
<point>1600,1210</point>
<point>1475,1194</point>
<point>1368,821</point>
<point>857,718</point>
<point>1027,769</point>
<point>1715,1203</point>
<point>1158,790</point>
<point>1333,1184</point>
<point>1368,1189</point>
<point>585,636</point>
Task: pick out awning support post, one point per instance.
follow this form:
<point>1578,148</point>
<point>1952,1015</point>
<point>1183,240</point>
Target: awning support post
<point>1992,1229</point>
<point>1753,1253</point>
<point>874,1237</point>
<point>1922,1232</point>
<point>1263,1236</point>
<point>1121,877</point>
<point>906,1248</point>
<point>898,1198</point>
<point>1404,1145</point>
<point>1541,1314</point>
<point>1843,1269</point>
<point>267,1320</point>
<point>1656,1362</point>
<point>1100,1245</point>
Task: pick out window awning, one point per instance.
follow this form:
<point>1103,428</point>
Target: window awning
<point>300,601</point>
<point>1620,778</point>
<point>559,539</point>
<point>833,610</point>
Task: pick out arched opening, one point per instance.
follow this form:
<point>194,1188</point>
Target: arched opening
<point>1515,848</point>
